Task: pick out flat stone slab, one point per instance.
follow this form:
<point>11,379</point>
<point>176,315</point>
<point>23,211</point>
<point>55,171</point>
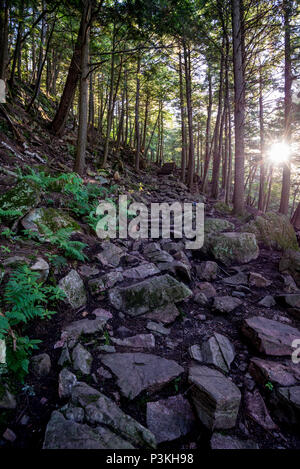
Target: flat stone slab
<point>278,373</point>
<point>226,304</point>
<point>67,434</point>
<point>138,341</point>
<point>83,327</point>
<point>148,295</point>
<point>166,315</point>
<point>270,337</point>
<point>137,372</point>
<point>142,271</point>
<point>216,398</point>
<point>171,418</point>
<point>219,441</point>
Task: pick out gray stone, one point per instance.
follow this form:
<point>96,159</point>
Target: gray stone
<point>256,409</point>
<point>99,285</point>
<point>238,279</point>
<point>83,327</point>
<point>278,373</point>
<point>148,295</point>
<point>101,410</point>
<point>219,441</point>
<point>217,225</point>
<point>66,381</point>
<point>137,372</point>
<point>207,288</point>
<point>257,280</point>
<point>170,418</point>
<point>2,352</point>
<point>21,198</point>
<point>67,434</point>
<point>218,351</point>
<point>226,304</point>
<point>159,328</point>
<point>290,264</point>
<point>76,414</point>
<point>7,399</point>
<point>234,248</point>
<point>290,398</point>
<point>138,341</point>
<point>88,271</point>
<point>40,364</point>
<point>42,268</point>
<point>207,270</point>
<point>268,301</point>
<point>106,348</point>
<point>196,353</point>
<point>201,299</point>
<point>82,359</point>
<point>166,315</point>
<point>270,337</point>
<point>50,218</point>
<point>73,287</point>
<point>141,272</point>
<point>111,254</point>
<point>216,398</point>
<point>289,284</point>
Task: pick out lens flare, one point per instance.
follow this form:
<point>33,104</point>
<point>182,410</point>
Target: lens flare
<point>279,152</point>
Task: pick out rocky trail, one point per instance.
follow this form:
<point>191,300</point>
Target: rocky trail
<point>155,344</point>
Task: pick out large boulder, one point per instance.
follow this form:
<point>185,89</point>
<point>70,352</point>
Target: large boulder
<point>137,372</point>
<point>50,218</point>
<point>290,264</point>
<point>73,287</point>
<point>273,230</point>
<point>216,398</point>
<point>270,337</point>
<point>234,248</point>
<point>148,295</point>
<point>67,434</point>
<point>19,200</point>
<point>217,225</point>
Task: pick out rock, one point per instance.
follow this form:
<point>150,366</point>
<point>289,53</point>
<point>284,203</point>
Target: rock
<point>148,295</point>
<point>257,280</point>
<point>290,399</point>
<point>83,327</point>
<point>66,381</point>
<point>278,373</point>
<point>234,248</point>
<point>220,441</point>
<point>106,348</point>
<point>238,279</point>
<point>217,225</point>
<point>40,364</point>
<point>201,299</point>
<point>196,353</point>
<point>73,287</point>
<point>137,372</point>
<point>88,271</point>
<point>50,218</point>
<point>226,304</point>
<point>15,261</point>
<point>99,285</point>
<point>42,267</point>
<point>171,418</point>
<point>20,199</point>
<point>207,270</point>
<point>141,272</point>
<point>177,268</point>
<point>2,352</point>
<point>156,327</point>
<point>207,288</point>
<point>166,315</point>
<point>154,253</point>
<point>9,435</point>
<point>274,230</point>
<point>290,264</point>
<point>138,341</point>
<point>256,409</point>
<point>100,410</point>
<point>102,314</point>
<point>103,373</point>
<point>76,414</point>
<point>218,351</point>
<point>289,284</point>
<point>216,398</point>
<point>270,337</point>
<point>67,434</point>
<point>82,359</point>
<point>7,399</point>
<point>238,294</point>
<point>292,300</point>
<point>111,254</point>
<point>268,301</point>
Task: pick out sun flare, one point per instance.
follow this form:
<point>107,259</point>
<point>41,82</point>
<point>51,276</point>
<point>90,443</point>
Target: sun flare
<point>279,152</point>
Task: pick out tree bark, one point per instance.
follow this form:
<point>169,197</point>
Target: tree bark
<point>239,109</point>
<point>137,116</point>
<point>286,176</point>
<point>262,175</point>
<point>79,166</point>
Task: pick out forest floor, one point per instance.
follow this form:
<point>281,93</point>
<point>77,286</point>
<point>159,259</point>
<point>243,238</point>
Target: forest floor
<point>255,391</point>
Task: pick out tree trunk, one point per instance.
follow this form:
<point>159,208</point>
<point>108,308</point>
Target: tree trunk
<point>79,166</point>
<point>17,50</point>
<point>286,176</point>
<point>187,66</point>
<point>262,176</point>
<point>207,132</point>
<point>58,124</point>
<point>110,108</point>
<point>183,119</point>
<point>3,38</point>
<point>137,116</point>
<point>239,110</point>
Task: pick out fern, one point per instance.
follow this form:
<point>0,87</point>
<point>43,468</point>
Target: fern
<point>61,238</point>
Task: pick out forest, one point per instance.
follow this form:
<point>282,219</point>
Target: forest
<point>141,341</point>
